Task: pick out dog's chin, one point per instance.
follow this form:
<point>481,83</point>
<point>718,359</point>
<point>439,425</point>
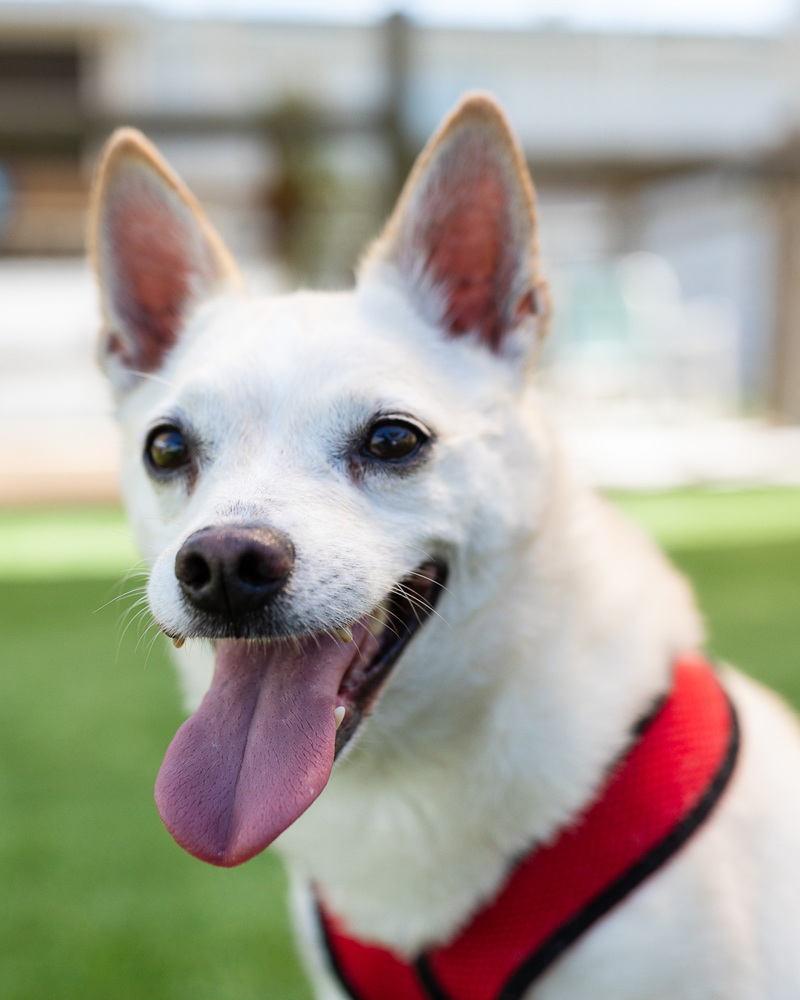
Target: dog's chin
<point>261,746</point>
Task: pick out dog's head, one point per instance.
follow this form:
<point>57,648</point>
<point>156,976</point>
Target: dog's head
<point>311,475</point>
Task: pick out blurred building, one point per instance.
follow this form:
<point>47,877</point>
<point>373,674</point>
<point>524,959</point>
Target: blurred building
<point>667,168</point>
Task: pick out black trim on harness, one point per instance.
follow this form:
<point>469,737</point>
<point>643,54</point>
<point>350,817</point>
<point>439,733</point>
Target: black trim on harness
<point>537,963</point>
<point>333,961</point>
<point>430,984</point>
<point>569,932</point>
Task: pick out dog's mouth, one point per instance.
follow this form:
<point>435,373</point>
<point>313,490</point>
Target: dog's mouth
<point>391,625</point>
<point>260,748</point>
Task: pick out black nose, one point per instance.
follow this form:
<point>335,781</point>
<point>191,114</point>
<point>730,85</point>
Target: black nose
<point>235,569</point>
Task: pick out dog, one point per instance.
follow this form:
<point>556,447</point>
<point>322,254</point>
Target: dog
<point>421,657</point>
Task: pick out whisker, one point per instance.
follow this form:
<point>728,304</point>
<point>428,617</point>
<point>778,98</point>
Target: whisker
<point>152,377</point>
<point>153,640</point>
<point>137,617</point>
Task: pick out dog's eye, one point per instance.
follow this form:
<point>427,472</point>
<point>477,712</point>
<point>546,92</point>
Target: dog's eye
<point>393,441</point>
<point>167,449</point>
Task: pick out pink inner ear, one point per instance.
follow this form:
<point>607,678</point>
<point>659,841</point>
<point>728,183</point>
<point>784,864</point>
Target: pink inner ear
<point>151,276</point>
<point>471,244</point>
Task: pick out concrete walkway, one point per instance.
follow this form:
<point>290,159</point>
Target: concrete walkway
<point>58,442</point>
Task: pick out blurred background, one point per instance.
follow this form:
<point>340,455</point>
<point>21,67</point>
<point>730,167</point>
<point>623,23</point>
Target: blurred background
<point>665,147</point>
<point>666,155</point>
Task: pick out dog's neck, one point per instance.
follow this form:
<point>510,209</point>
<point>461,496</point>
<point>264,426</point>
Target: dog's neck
<point>412,834</point>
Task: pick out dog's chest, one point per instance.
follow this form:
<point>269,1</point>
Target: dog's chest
<point>652,803</point>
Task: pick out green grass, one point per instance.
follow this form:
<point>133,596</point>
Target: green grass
<point>710,519</point>
<point>98,902</point>
<point>750,596</point>
<point>69,544</point>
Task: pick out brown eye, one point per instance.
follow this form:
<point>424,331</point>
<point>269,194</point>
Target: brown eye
<point>393,441</point>
<point>167,449</point>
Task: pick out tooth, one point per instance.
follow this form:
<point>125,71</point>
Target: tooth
<point>345,634</point>
<point>177,643</point>
<point>338,715</point>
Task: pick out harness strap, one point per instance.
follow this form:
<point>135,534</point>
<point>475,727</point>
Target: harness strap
<point>655,798</point>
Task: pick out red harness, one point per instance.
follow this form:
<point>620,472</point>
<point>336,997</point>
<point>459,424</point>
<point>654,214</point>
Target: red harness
<point>654,799</point>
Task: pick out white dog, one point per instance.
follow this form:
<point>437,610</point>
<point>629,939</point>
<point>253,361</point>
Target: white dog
<point>455,684</point>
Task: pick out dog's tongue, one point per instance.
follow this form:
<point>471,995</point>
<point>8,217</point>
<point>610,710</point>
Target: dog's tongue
<point>260,747</point>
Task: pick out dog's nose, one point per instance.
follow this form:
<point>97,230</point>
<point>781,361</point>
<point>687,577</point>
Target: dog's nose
<point>235,569</point>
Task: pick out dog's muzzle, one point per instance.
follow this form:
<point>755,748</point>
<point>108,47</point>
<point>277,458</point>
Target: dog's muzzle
<point>261,746</point>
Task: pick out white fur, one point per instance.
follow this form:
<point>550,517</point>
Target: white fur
<point>556,632</point>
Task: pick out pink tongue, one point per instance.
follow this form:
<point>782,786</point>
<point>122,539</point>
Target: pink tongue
<point>260,747</point>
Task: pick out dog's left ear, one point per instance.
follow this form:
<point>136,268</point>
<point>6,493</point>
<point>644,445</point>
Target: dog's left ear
<point>462,239</point>
<point>155,253</point>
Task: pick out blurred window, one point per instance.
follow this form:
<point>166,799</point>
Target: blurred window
<point>38,81</point>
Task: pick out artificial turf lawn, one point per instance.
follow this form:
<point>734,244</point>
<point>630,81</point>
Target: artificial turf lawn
<point>97,900</point>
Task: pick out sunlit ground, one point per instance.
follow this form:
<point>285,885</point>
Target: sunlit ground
<point>98,901</point>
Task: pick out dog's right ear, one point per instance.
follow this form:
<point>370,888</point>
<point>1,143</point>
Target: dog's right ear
<point>155,254</point>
